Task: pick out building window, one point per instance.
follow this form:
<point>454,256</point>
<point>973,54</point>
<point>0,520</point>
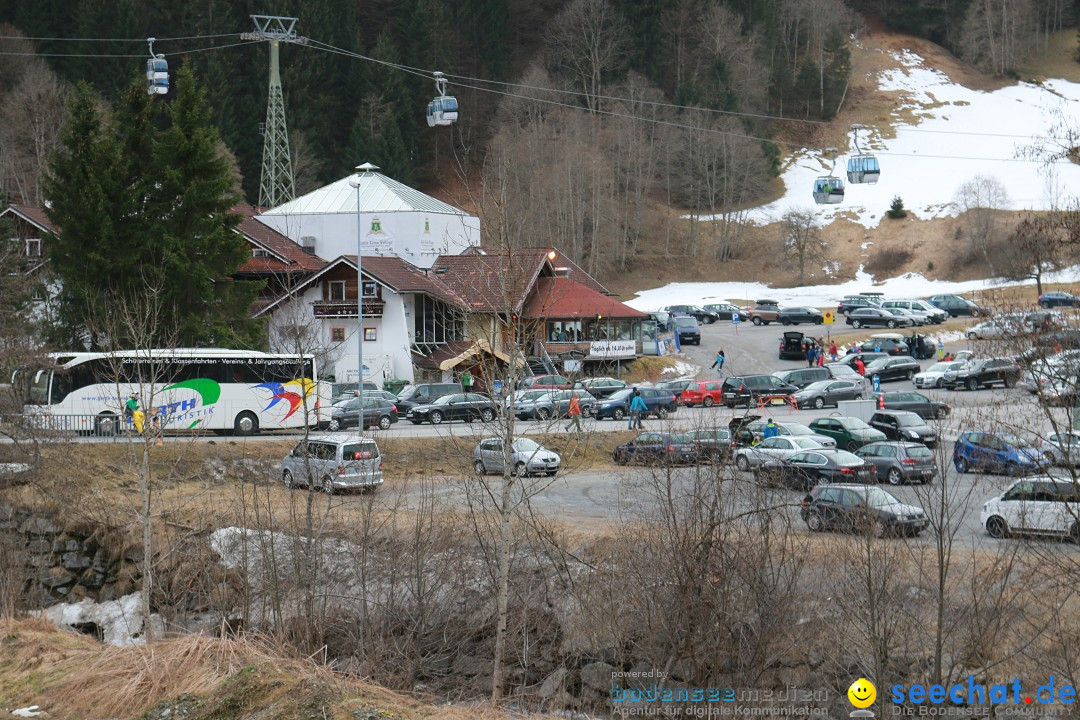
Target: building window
<point>435,322</point>
<point>33,247</point>
<point>337,289</point>
<point>370,289</point>
<point>259,253</point>
<point>337,334</point>
<point>369,334</point>
<point>566,331</point>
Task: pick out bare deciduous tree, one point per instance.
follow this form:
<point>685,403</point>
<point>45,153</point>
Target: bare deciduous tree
<point>801,238</point>
<point>979,202</point>
<point>589,42</point>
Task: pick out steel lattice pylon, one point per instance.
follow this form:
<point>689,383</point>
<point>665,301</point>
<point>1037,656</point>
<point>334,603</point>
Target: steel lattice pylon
<point>276,182</point>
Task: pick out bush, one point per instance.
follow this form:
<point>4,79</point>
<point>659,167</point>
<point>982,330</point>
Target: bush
<point>896,210</point>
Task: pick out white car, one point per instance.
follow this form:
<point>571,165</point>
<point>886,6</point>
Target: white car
<point>990,329</point>
<point>1062,448</point>
<point>1040,504</point>
<point>931,376</point>
<point>935,315</point>
<point>773,450</point>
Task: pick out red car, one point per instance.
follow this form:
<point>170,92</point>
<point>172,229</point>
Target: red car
<point>702,392</point>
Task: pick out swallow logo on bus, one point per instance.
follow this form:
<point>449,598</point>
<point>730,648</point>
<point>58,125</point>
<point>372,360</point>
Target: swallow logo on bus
<point>292,392</point>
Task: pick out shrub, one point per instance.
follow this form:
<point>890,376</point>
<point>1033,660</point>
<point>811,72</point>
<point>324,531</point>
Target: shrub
<point>896,210</point>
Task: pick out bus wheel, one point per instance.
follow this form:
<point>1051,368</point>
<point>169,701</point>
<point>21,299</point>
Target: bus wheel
<point>105,425</point>
<point>246,424</point>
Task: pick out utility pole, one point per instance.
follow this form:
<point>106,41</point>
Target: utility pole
<point>276,182</point>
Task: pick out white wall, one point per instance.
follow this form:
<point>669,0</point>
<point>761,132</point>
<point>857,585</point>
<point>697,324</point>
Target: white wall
<point>416,237</point>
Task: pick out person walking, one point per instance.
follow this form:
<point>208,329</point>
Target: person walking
<point>770,430</point>
<point>940,349</point>
<point>574,412</point>
<point>637,407</point>
<point>811,354</point>
<point>860,366</point>
<point>718,363</point>
<point>466,381</point>
<point>833,350</point>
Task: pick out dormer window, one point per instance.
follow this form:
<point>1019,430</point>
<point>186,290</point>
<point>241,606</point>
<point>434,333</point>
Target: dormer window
<point>33,247</point>
<point>259,253</point>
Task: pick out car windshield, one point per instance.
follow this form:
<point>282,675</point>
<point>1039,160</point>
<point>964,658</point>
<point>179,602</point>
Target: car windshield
<point>877,364</point>
<point>845,459</point>
<point>805,443</point>
<point>850,423</point>
<point>817,386</point>
<point>797,429</point>
<point>1014,440</point>
<point>876,497</point>
<point>908,420</point>
<point>445,399</point>
<point>940,367</point>
<point>686,322</point>
<point>406,392</point>
<point>621,394</point>
<point>919,451</point>
<point>526,445</point>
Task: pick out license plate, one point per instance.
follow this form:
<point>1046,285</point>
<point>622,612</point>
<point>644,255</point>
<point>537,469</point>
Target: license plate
<point>776,401</point>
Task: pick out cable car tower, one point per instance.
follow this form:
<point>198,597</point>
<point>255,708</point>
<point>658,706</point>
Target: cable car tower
<point>276,182</point>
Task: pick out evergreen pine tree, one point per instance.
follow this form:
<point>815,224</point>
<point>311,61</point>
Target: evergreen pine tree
<point>896,210</point>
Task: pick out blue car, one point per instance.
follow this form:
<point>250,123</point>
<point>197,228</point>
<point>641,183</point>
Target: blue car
<point>659,402</point>
<point>995,452</point>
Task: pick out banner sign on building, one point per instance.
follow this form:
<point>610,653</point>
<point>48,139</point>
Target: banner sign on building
<point>613,348</point>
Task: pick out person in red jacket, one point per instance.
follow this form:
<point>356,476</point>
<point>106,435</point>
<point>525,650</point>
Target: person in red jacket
<point>860,366</point>
<point>574,412</point>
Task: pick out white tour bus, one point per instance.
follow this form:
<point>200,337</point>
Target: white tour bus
<point>241,391</point>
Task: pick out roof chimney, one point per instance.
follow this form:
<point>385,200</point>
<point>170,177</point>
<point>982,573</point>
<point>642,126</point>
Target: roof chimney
<point>307,243</point>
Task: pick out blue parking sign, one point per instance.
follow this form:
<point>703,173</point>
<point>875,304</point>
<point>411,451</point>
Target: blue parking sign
<point>735,318</point>
<point>877,383</point>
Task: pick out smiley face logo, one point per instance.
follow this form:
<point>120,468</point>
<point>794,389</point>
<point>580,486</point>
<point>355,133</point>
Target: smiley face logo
<point>862,693</point>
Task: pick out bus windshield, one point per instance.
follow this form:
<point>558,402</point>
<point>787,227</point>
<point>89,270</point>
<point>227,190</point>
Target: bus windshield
<point>39,388</point>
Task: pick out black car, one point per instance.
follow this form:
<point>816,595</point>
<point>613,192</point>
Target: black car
<point>792,346</point>
<point>663,320</point>
<point>984,373</point>
<point>655,448</point>
<point>866,357</point>
<point>904,425</point>
<point>750,389</point>
<point>377,413</point>
<point>703,316</point>
<point>725,311</point>
<point>687,327</point>
<point>1058,298</point>
<point>804,376</point>
<point>675,387</point>
<point>886,346</point>
<point>808,468</point>
<point>875,317</point>
<point>917,403</point>
<point>659,401</point>
<point>957,305</point>
<point>828,393</point>
<point>893,368</point>
<point>461,406</point>
<point>796,315</point>
<point>900,462</point>
<point>855,302</point>
<point>600,387</point>
<point>860,508</point>
<point>716,444</point>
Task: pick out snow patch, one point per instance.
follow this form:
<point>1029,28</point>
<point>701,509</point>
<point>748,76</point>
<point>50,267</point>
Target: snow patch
<point>681,369</point>
<point>120,621</point>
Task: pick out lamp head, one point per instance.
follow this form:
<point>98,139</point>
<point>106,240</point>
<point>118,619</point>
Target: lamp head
<point>551,255</point>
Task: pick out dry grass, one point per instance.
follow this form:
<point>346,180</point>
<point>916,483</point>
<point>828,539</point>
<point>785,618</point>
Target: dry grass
<point>71,676</point>
<point>1056,61</point>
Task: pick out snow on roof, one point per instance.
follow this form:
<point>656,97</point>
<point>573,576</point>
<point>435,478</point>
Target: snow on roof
<point>378,194</point>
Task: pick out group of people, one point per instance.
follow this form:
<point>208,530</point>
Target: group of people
<point>816,352</point>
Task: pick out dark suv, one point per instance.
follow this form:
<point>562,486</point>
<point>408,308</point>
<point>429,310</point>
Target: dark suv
<point>984,373</point>
<point>1058,298</point>
<point>861,508</point>
<point>893,368</point>
<point>703,316</point>
<point>900,462</point>
<point>904,425</point>
<point>747,389</point>
<point>687,327</point>
<point>957,305</point>
<point>854,302</point>
<point>765,312</point>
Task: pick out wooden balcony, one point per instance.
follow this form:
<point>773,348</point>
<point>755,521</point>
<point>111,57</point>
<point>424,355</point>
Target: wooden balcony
<point>346,308</point>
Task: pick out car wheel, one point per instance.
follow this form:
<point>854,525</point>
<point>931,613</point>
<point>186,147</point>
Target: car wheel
<point>478,466</point>
<point>105,425</point>
<point>962,465</point>
<point>877,528</point>
<point>972,384</point>
<point>587,411</point>
<point>384,422</point>
<point>785,321</point>
<point>819,321</point>
<point>327,485</point>
<point>1010,381</point>
<point>618,413</point>
<point>895,477</point>
<point>757,321</point>
<point>709,321</point>
<point>856,323</point>
<point>245,424</point>
<point>619,457</point>
<point>287,478</point>
<point>941,412</point>
<point>436,417</point>
<point>661,412</point>
<point>815,522</point>
<point>519,469</point>
<point>543,413</point>
<point>707,402</point>
<point>996,527</point>
<point>939,383</point>
<point>334,425</point>
<point>852,446</point>
<point>910,374</point>
<point>742,463</point>
<point>819,402</point>
<point>890,324</point>
<point>487,415</point>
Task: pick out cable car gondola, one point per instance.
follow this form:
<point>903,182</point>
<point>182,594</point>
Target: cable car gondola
<point>157,72</point>
<point>443,110</point>
<point>862,167</point>
<point>829,189</point>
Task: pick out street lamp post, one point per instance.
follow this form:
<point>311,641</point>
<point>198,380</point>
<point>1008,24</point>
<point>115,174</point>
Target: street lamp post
<point>360,170</point>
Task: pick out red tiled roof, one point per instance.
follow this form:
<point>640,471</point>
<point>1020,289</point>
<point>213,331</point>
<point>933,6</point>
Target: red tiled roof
<point>33,214</point>
<point>404,277</point>
<point>491,282</point>
<point>561,297</point>
<point>286,255</point>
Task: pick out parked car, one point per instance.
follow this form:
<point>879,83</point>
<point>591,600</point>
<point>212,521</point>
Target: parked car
<point>808,468</point>
<point>990,329</point>
<point>856,302</point>
<point>935,314</point>
<point>715,444</point>
<point>904,425</point>
<point>749,429</point>
<point>772,449</point>
<point>600,387</point>
<point>792,346</point>
<point>917,317</point>
<point>340,392</point>
<point>917,403</point>
<point>765,312</point>
<point>1041,505</point>
<point>848,432</point>
<point>687,327</point>
<point>545,404</point>
<point>893,368</point>
<point>1062,448</point>
<point>749,389</point>
<point>1058,298</point>
<point>804,376</point>
<point>983,373</point>
<point>545,382</point>
<point>828,393</point>
<point>894,345</point>
<point>705,393</point>
<point>377,413</point>
<point>703,316</point>
<point>725,311</point>
<point>866,357</point>
<point>659,402</point>
<point>875,317</point>
<point>996,452</point>
<point>900,462</point>
<point>652,448</point>
<point>412,395</point>
<point>932,377</point>
<point>799,314</point>
<point>527,457</point>
<point>380,394</point>
<point>664,321</point>
<point>957,306</point>
<point>675,387</point>
<point>462,406</point>
<point>861,508</point>
<point>843,371</point>
<point>333,462</point>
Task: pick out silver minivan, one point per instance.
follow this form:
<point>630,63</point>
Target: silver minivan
<point>333,463</point>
